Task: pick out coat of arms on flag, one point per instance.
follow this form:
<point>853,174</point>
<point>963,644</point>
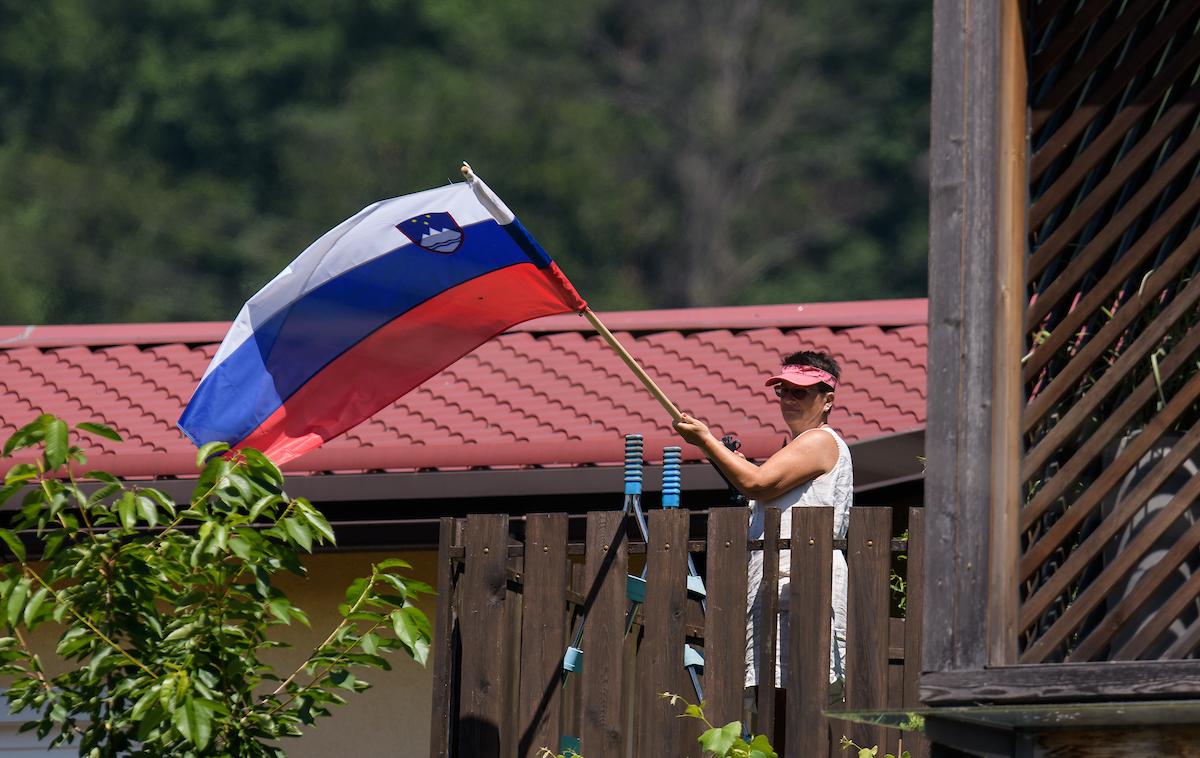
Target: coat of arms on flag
<point>437,232</point>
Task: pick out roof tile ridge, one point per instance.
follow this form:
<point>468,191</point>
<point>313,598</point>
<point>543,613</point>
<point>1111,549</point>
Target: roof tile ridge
<point>735,356</point>
<point>435,397</point>
<point>470,413</point>
<point>172,363</point>
<point>648,340</point>
<point>871,367</point>
<point>884,349</point>
<point>536,391</point>
<point>885,402</point>
<point>529,387</point>
<point>386,428</point>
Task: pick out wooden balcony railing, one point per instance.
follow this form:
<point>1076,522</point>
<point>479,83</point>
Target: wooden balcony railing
<point>510,597</point>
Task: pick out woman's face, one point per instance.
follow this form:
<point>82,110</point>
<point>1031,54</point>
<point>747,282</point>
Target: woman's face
<point>803,405</point>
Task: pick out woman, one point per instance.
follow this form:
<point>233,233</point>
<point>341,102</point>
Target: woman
<point>813,469</point>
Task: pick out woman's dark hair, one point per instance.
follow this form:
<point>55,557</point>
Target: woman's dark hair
<point>823,361</point>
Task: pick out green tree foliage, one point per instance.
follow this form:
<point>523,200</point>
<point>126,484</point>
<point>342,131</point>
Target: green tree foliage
<point>667,153</point>
<point>165,610</point>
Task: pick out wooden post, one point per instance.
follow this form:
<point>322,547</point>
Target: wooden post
<point>973,348</point>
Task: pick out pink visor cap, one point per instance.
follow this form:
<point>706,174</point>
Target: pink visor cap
<point>804,376</point>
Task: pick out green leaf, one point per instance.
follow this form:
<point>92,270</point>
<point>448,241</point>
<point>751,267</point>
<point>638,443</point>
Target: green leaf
<point>100,430</point>
<point>406,627</point>
<point>34,605</point>
<point>14,544</point>
<point>30,434</point>
<point>57,444</point>
<point>193,719</point>
<point>342,678</point>
<point>318,522</point>
<point>720,739</point>
<point>127,507</point>
<point>370,643</point>
<point>760,746</point>
<point>420,652</point>
<point>53,543</point>
<point>16,601</point>
<point>261,504</point>
<point>279,607</point>
<point>147,510</point>
<point>298,532</point>
<point>20,473</point>
<point>181,632</point>
<point>104,492</point>
<point>868,752</point>
<point>209,450</point>
<point>163,501</point>
<point>393,563</point>
<point>149,698</point>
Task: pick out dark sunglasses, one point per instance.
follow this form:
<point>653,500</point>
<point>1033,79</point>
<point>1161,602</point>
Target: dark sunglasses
<point>792,393</point>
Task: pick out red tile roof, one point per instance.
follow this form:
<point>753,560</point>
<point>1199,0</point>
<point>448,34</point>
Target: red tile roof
<point>546,393</point>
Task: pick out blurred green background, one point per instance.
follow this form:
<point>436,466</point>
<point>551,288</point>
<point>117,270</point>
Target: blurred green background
<point>163,160</point>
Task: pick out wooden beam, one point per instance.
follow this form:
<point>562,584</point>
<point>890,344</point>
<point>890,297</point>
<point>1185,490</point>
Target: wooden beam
<point>1064,683</point>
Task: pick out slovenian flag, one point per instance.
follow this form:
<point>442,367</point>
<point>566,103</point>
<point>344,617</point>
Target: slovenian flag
<point>368,312</point>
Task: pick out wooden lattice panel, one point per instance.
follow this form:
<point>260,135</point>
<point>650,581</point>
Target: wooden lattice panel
<point>1110,526</point>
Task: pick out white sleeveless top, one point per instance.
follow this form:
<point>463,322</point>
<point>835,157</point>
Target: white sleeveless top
<point>832,489</point>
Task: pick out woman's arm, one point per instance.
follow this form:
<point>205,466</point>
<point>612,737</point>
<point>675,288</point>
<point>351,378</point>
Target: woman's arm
<point>804,458</point>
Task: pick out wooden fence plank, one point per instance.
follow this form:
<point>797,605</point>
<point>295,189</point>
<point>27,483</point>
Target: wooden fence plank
<point>483,642</point>
<point>543,633</point>
<point>914,609</point>
<point>443,644</point>
<point>810,604</point>
<point>869,561</point>
<point>661,654</point>
<point>725,621</point>
<point>768,604</point>
<point>607,564</point>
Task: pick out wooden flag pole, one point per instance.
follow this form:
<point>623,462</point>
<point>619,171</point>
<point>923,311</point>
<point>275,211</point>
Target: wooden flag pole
<point>640,372</point>
<point>503,216</point>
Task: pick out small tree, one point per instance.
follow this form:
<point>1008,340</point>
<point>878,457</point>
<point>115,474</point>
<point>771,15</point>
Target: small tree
<point>165,610</point>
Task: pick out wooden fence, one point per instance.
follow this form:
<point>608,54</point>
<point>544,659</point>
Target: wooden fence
<point>512,591</point>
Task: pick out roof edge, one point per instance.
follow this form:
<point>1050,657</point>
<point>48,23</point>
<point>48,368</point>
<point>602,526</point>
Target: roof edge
<point>881,313</point>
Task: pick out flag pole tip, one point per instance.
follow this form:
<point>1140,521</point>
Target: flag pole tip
<point>466,170</point>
